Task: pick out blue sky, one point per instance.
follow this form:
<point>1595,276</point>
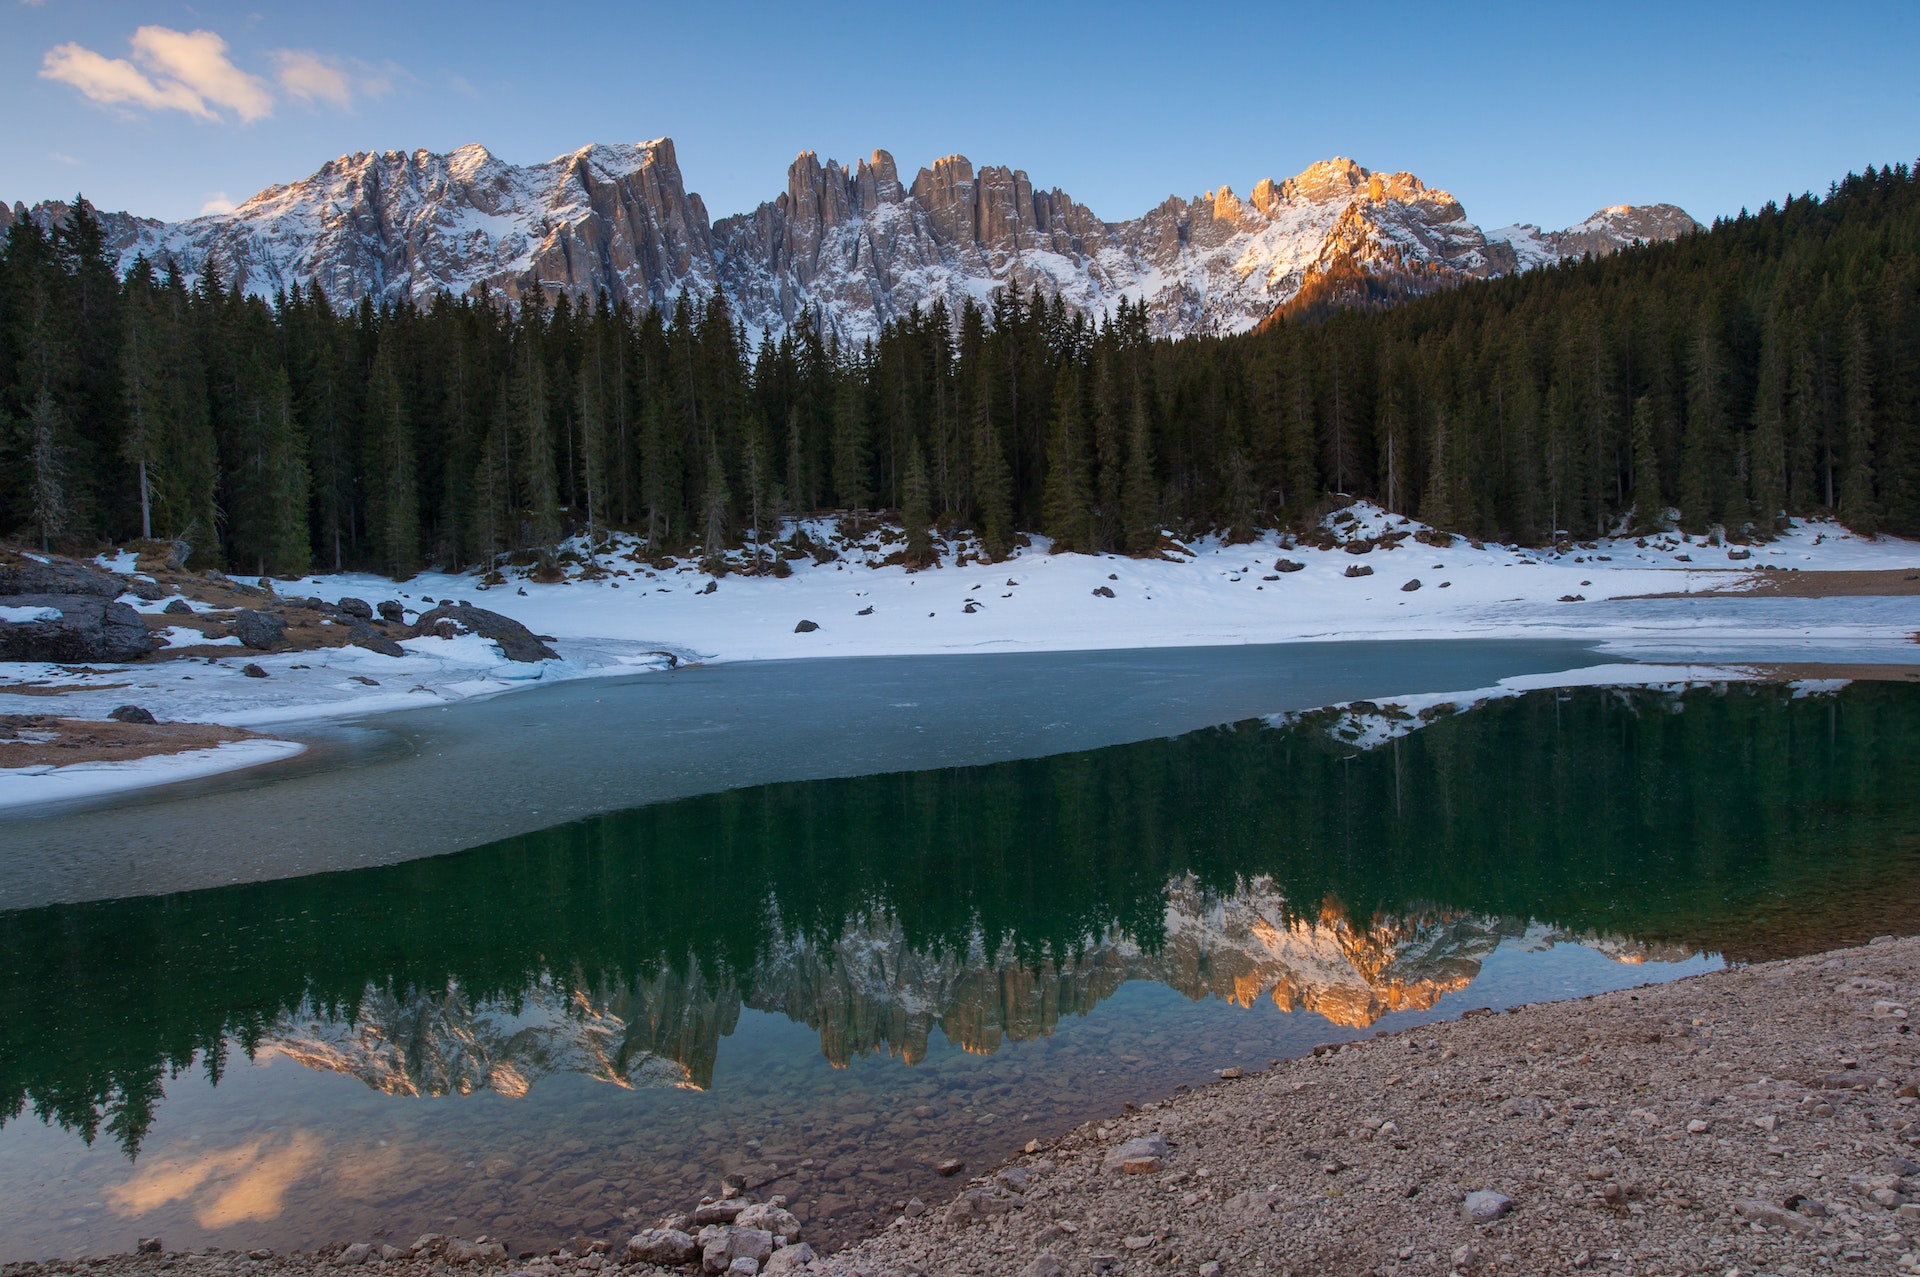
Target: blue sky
<point>1536,113</point>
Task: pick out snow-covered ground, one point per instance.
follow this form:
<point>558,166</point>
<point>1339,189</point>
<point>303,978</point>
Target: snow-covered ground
<point>617,614</point>
<point>25,786</point>
<point>1219,594</point>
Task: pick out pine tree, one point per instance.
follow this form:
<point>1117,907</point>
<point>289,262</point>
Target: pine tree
<point>713,555</point>
<point>1068,501</point>
<point>538,492</point>
<point>1649,504</point>
<point>1437,501</point>
<point>1140,499</point>
<point>52,507</point>
<point>992,480</point>
<point>1767,462</point>
<point>1857,504</point>
<point>763,490</point>
<point>491,515</point>
<point>852,445</point>
<point>593,447</point>
<point>1703,440</point>
<point>916,515</point>
<point>1109,440</point>
<point>141,364</point>
<point>393,513</point>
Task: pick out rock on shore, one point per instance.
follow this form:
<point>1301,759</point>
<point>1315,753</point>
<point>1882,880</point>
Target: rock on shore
<point>1759,1120</point>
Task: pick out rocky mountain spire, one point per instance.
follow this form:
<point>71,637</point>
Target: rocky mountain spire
<point>853,246</point>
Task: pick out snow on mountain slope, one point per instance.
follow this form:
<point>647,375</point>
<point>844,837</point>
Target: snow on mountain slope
<point>1607,231</point>
<point>856,246</point>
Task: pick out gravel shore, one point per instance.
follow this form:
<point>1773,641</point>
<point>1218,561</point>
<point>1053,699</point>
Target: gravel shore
<point>1753,1121</point>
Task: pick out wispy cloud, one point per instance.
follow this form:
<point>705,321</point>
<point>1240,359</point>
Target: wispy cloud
<point>177,71</point>
<point>217,203</point>
<point>117,82</point>
<point>190,72</point>
<point>198,60</point>
<point>311,77</point>
<point>61,157</point>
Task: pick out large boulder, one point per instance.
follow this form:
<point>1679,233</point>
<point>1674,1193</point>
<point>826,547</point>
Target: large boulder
<point>260,631</point>
<point>721,1245</point>
<point>667,1247</point>
<point>22,575</point>
<point>363,635</point>
<point>70,629</point>
<point>516,641</point>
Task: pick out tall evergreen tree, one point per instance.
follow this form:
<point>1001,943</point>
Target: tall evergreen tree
<point>916,514</point>
<point>992,479</point>
<point>1068,503</point>
<point>1140,498</point>
<point>393,513</point>
<point>1857,503</point>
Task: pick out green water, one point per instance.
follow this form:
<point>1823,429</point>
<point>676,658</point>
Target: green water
<point>864,974</point>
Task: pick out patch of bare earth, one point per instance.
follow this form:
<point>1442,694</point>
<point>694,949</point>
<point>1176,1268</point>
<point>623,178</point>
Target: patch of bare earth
<point>1883,582</point>
<point>1797,671</point>
<point>42,740</point>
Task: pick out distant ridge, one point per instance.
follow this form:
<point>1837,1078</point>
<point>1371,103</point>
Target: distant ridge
<point>854,246</point>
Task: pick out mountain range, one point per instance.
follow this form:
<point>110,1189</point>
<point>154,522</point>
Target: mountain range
<point>854,246</point>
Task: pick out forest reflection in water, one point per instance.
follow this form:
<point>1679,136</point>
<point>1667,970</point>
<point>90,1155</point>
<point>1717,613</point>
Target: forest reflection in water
<point>1355,864</point>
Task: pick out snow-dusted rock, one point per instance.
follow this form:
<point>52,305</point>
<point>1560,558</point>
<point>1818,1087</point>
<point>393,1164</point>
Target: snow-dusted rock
<point>857,246</point>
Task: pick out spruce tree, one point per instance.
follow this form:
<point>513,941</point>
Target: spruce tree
<point>718,499</point>
<point>1857,505</point>
<point>141,362</point>
<point>593,447</point>
<point>52,506</point>
<point>1703,439</point>
<point>1068,501</point>
<point>852,446</point>
<point>1140,499</point>
<point>992,480</point>
<point>1767,459</point>
<point>1649,502</point>
<point>916,515</point>
<point>538,492</point>
<point>393,514</point>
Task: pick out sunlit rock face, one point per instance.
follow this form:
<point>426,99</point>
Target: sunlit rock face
<point>853,246</point>
<point>868,990</point>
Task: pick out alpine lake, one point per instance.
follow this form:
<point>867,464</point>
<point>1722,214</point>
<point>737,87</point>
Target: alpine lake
<point>553,965</point>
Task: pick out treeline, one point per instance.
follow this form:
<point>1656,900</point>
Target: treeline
<point>1760,370</point>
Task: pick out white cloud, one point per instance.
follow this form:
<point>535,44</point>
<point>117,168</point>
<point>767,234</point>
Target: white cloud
<point>117,82</point>
<point>184,71</point>
<point>61,157</point>
<point>308,76</point>
<point>217,203</point>
<point>198,60</point>
<point>315,78</point>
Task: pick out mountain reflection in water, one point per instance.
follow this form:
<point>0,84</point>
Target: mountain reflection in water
<point>1248,863</point>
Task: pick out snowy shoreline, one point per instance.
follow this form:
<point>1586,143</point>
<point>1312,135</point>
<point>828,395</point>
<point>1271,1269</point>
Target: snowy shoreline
<point>31,786</point>
<point>617,614</point>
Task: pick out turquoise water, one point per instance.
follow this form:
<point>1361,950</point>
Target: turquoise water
<point>827,985</point>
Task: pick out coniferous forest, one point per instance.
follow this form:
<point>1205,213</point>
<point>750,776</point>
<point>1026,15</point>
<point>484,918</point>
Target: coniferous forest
<point>1767,368</point>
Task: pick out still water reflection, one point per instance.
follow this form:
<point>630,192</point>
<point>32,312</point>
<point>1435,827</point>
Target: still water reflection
<point>827,986</point>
